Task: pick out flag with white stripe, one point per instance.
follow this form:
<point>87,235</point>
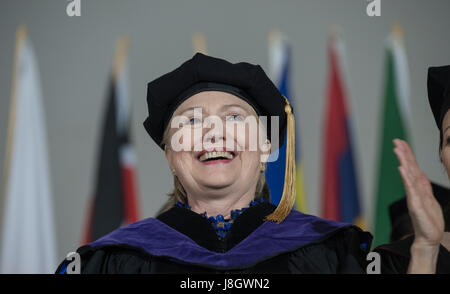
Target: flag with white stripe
<point>28,242</point>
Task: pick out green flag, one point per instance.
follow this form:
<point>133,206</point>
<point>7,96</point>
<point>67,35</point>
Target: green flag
<point>395,123</point>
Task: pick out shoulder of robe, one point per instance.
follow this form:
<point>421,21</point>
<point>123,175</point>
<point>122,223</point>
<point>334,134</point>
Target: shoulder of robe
<point>343,251</point>
<point>109,259</point>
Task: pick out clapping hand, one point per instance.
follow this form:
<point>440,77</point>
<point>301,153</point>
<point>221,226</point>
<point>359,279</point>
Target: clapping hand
<point>425,212</point>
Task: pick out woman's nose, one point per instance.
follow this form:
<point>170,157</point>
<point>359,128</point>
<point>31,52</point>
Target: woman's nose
<point>214,132</point>
<point>213,136</point>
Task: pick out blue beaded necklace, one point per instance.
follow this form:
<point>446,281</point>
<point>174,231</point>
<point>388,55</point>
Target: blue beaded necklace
<point>221,225</point>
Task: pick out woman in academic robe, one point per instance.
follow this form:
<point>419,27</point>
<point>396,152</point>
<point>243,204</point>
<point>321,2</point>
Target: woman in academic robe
<point>427,250</point>
<point>214,123</point>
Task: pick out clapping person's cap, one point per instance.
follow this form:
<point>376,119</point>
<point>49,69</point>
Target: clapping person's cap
<point>439,92</point>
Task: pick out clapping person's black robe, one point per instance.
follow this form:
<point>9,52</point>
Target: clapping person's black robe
<point>182,241</point>
<point>395,257</point>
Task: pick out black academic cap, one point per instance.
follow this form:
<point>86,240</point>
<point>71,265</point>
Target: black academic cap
<point>202,73</point>
<point>244,80</point>
<point>439,92</point>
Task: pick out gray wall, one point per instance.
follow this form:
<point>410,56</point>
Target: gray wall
<point>75,55</point>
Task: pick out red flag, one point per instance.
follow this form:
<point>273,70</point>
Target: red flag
<point>340,191</point>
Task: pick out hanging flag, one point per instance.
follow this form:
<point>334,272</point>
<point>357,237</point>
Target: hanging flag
<point>28,243</point>
<point>395,121</point>
<point>340,191</point>
<point>115,201</point>
<point>280,70</point>
<point>199,43</point>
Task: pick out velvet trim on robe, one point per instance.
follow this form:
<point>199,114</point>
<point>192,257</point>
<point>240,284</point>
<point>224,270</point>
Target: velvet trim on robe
<point>269,239</point>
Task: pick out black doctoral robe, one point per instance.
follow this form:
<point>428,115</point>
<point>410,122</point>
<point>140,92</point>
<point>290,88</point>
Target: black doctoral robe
<point>395,257</point>
<point>182,241</point>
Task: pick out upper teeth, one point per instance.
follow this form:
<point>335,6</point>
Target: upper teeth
<point>215,154</point>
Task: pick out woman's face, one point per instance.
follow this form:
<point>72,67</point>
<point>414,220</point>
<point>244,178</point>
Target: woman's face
<point>215,158</point>
<point>446,142</point>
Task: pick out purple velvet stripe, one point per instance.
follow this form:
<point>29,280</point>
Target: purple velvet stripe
<point>269,239</point>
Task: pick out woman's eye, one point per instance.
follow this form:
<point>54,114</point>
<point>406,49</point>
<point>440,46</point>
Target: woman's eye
<point>234,117</point>
<point>194,121</point>
<point>447,140</point>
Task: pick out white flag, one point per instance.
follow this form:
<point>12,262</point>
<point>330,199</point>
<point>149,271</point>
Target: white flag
<point>28,240</point>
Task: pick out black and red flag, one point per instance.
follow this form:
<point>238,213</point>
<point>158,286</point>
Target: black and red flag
<point>115,201</point>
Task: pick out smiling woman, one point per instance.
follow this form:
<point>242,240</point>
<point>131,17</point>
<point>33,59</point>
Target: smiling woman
<point>219,158</point>
<point>208,118</point>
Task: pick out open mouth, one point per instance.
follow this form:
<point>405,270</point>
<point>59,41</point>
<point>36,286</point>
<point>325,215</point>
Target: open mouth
<point>216,156</point>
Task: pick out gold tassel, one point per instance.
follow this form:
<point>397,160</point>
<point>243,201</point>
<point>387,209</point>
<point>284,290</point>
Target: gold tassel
<point>289,189</point>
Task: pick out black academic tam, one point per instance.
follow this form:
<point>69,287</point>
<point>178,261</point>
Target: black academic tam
<point>200,73</point>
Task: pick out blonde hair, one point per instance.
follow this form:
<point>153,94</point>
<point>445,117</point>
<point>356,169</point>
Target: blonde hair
<point>178,193</point>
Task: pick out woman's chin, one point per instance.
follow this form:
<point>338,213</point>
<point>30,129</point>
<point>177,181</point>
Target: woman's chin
<point>217,182</point>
